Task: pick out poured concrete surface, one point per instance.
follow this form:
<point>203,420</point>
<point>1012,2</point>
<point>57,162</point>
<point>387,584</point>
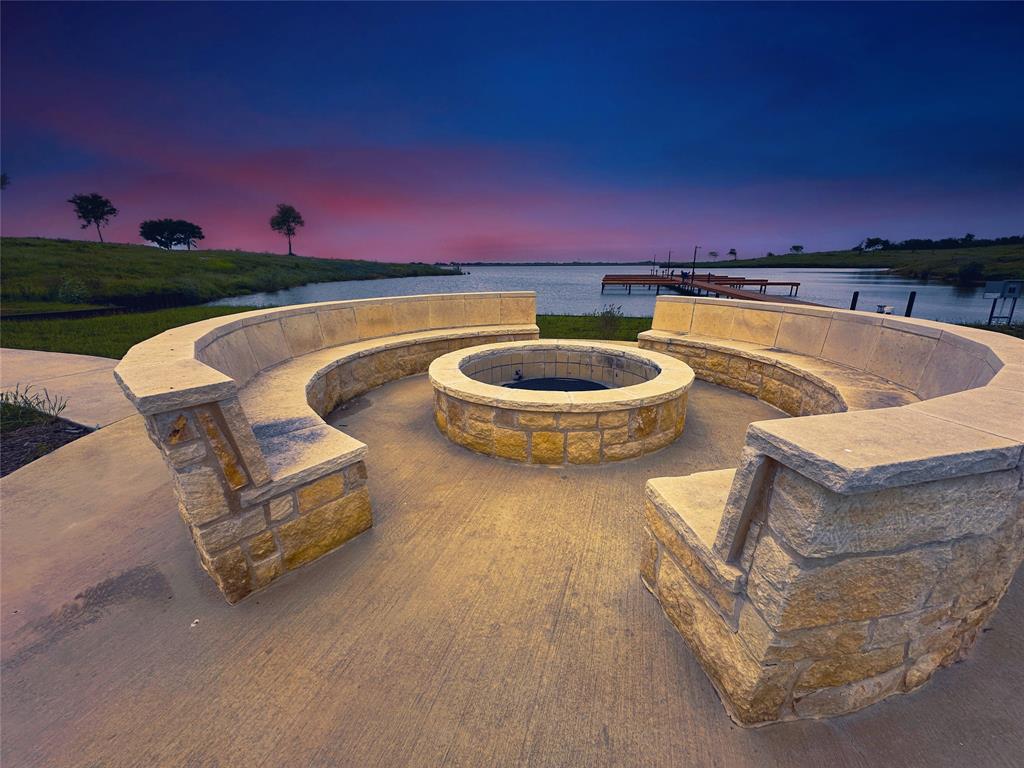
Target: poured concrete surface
<point>493,616</point>
<point>94,398</point>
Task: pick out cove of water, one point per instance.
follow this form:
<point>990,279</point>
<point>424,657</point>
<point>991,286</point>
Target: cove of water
<point>568,290</point>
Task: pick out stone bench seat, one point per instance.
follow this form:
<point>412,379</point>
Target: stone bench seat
<point>286,404</point>
<point>236,406</point>
<point>822,386</point>
<point>860,547</point>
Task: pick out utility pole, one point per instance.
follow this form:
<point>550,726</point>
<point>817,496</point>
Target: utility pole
<point>670,262</point>
<point>693,270</point>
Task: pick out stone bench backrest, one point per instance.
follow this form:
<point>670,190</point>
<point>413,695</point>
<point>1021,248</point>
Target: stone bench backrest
<point>970,420</point>
<point>930,359</point>
<point>251,344</point>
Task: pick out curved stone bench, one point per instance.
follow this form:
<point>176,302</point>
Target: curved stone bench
<point>236,406</point>
<point>859,548</point>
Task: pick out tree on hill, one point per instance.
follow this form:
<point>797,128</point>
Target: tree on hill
<point>167,233</point>
<point>287,221</point>
<point>796,249</point>
<point>94,210</point>
<point>713,255</point>
<point>732,252</point>
<point>4,180</point>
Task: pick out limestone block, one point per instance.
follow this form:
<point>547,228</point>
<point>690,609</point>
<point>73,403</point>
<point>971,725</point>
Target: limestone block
<point>851,697</point>
<point>793,595</point>
<point>675,316</point>
<point>241,432</point>
<point>753,693</point>
<point>374,319</point>
<point>817,522</point>
<point>309,536</point>
<point>803,334</point>
<point>510,444</point>
<point>615,436</point>
<point>851,340</point>
<point>547,447</point>
<point>619,451</point>
<point>447,312</point>
<point>201,494</point>
<point>888,630</point>
<point>577,420</point>
<point>187,454</point>
<point>613,419</point>
<point>771,647</point>
<point>231,355</point>
<point>411,315</point>
<point>714,320</point>
<point>338,326</point>
<point>980,568</point>
<point>644,422</point>
<point>649,561</point>
<point>231,573</point>
<point>230,531</point>
<point>849,667</point>
<point>901,357</point>
<point>517,309</point>
<point>174,428</point>
<point>321,491</point>
<point>303,333</point>
<point>280,507</point>
<point>584,447</point>
<point>234,474</point>
<point>262,546</point>
<point>783,396</point>
<point>265,571</point>
<point>483,309</point>
<point>538,420</point>
<point>355,476</point>
<point>268,343</point>
<point>723,593</point>
<point>758,326</point>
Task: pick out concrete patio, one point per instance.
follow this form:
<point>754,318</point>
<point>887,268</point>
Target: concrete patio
<point>492,616</point>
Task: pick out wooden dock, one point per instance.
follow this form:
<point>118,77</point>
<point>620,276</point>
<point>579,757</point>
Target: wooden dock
<point>708,285</point>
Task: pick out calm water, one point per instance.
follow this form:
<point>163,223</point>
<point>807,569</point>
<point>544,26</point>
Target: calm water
<point>577,290</point>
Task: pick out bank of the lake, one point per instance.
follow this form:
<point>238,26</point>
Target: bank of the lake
<point>576,290</point>
<point>44,274</point>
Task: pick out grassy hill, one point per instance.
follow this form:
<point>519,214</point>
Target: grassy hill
<point>995,262</point>
<point>40,274</point>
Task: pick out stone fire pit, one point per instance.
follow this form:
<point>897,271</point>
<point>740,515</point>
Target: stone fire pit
<point>559,402</point>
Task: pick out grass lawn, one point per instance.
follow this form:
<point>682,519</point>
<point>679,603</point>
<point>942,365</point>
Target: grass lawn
<point>997,262</point>
<point>113,335</point>
<point>75,272</point>
<point>106,336</point>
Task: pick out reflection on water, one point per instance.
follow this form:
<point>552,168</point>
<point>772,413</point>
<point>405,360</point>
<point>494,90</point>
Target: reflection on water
<point>577,290</point>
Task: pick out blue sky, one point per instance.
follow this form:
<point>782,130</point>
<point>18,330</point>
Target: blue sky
<point>502,131</point>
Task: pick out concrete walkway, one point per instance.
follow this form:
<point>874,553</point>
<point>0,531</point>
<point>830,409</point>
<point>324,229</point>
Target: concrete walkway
<point>492,617</point>
<point>94,398</point>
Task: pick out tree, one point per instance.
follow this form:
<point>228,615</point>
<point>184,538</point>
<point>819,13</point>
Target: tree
<point>94,210</point>
<point>732,252</point>
<point>168,233</point>
<point>713,255</point>
<point>287,221</point>
<point>4,180</point>
<point>796,249</point>
<point>189,233</point>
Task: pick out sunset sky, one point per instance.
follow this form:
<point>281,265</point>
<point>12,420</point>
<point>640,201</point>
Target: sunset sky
<point>518,132</point>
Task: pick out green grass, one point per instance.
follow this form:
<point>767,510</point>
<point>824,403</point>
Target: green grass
<point>15,308</point>
<point>113,335</point>
<point>84,273</point>
<point>998,262</point>
<point>106,336</point>
<point>591,327</point>
<point>28,407</point>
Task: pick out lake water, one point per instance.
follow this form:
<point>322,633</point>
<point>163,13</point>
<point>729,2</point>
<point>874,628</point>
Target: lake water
<point>577,290</point>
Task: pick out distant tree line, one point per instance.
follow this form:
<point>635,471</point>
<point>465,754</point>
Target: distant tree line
<point>927,244</point>
<point>95,210</point>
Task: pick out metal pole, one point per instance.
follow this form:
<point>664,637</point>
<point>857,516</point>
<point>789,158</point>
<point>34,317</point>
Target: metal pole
<point>910,304</point>
<point>992,311</point>
<point>853,302</point>
<point>693,270</point>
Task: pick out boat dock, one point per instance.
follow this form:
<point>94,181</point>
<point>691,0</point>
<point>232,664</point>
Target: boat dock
<point>749,289</point>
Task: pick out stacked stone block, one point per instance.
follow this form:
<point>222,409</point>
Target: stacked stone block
<point>836,600</point>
